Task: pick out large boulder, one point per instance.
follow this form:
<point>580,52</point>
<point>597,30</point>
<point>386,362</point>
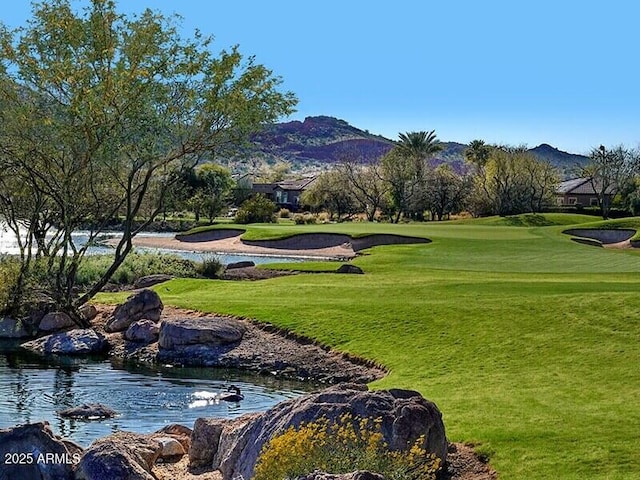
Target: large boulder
<point>405,416</point>
<point>33,451</point>
<point>150,280</point>
<point>88,411</point>
<point>349,268</point>
<point>243,264</point>
<point>54,321</point>
<point>181,433</point>
<point>80,341</point>
<point>177,333</point>
<point>123,455</point>
<point>12,328</point>
<point>88,312</point>
<point>143,331</point>
<point>143,304</point>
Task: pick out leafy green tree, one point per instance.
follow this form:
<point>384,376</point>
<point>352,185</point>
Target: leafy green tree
<point>215,183</point>
<point>513,181</point>
<point>97,110</point>
<point>258,209</point>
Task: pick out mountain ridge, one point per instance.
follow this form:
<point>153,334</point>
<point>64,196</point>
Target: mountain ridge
<point>321,140</point>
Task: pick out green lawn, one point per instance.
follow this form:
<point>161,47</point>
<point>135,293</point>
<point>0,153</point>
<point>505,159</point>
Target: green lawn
<point>527,341</point>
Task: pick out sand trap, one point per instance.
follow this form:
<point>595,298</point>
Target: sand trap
<point>326,245</point>
<point>613,238</point>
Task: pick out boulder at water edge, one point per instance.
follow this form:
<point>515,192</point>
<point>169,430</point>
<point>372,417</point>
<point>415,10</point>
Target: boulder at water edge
<point>32,451</point>
<point>80,341</point>
<point>143,331</point>
<point>123,455</point>
<point>177,333</point>
<point>144,304</point>
<point>12,328</point>
<point>233,446</point>
<point>54,321</point>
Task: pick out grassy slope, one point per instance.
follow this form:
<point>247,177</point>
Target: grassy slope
<point>527,341</point>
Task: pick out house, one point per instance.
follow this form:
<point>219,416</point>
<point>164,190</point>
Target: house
<point>285,194</point>
<point>580,192</point>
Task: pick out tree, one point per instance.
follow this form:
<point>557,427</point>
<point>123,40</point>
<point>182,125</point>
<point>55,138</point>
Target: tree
<point>332,192</point>
<point>258,209</point>
<point>478,153</point>
<point>512,181</point>
<point>419,146</point>
<point>98,109</point>
<point>368,187</point>
<point>214,184</point>
<point>399,171</point>
<point>609,171</point>
<point>446,192</point>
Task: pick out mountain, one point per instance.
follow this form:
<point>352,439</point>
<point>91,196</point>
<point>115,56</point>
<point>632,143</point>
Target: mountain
<point>313,142</point>
<point>563,160</point>
<point>323,140</point>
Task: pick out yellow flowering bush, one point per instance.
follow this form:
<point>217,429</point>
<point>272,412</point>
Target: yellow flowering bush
<point>342,446</point>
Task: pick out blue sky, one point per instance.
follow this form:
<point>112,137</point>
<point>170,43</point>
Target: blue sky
<point>560,72</point>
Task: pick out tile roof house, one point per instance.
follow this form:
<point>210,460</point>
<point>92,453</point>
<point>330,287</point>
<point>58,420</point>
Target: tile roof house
<point>580,192</point>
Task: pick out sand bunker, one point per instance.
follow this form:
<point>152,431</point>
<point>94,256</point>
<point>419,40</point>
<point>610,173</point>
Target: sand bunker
<point>325,245</point>
<point>310,241</point>
<point>598,237</point>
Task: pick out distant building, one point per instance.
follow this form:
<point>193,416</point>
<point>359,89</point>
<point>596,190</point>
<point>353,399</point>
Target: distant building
<point>285,194</point>
<point>579,192</point>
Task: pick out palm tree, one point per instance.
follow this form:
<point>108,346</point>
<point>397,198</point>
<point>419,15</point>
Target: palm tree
<point>419,146</point>
<point>478,153</point>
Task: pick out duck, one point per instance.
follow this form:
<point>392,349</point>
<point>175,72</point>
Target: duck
<point>236,396</point>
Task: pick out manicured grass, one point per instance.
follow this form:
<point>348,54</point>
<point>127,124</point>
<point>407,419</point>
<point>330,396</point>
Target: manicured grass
<point>526,340</point>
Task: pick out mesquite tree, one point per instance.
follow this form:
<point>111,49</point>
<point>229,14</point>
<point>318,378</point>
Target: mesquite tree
<point>97,110</point>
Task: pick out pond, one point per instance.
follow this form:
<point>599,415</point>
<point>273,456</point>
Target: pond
<point>8,245</point>
<point>34,389</point>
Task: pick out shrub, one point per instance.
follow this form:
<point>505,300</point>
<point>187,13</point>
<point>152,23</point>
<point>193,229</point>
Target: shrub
<point>284,213</point>
<point>136,265</point>
<point>210,267</point>
<point>343,446</point>
<point>9,270</point>
<point>257,209</point>
<point>324,217</point>
<point>298,219</point>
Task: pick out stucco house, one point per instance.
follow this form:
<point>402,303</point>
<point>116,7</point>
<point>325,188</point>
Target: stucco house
<point>580,192</point>
<point>285,194</point>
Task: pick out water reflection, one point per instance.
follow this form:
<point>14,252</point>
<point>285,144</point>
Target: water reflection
<point>34,389</point>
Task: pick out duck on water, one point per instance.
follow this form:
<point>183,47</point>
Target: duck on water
<point>232,394</point>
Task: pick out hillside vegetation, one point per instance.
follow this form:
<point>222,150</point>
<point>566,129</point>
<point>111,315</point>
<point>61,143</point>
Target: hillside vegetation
<point>526,340</point>
<point>325,140</point>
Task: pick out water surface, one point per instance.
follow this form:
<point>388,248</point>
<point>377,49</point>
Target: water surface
<point>33,389</point>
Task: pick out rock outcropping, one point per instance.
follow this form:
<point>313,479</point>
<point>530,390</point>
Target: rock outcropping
<point>233,446</point>
<point>144,304</point>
